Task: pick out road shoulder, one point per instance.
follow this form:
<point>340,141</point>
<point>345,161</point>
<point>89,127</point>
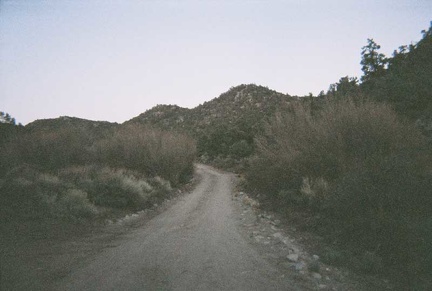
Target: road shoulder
<point>292,250</point>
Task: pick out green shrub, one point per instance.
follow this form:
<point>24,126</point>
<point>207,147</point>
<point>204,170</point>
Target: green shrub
<point>365,261</point>
<point>116,188</point>
<point>291,197</point>
<point>73,204</point>
<point>335,257</point>
<point>76,193</point>
<point>370,263</point>
<point>241,149</point>
<point>29,194</point>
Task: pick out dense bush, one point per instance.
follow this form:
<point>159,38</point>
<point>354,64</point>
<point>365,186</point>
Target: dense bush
<point>405,83</point>
<point>116,188</point>
<point>67,172</point>
<point>76,193</point>
<point>360,165</point>
<point>47,150</point>
<point>29,194</point>
<point>149,151</point>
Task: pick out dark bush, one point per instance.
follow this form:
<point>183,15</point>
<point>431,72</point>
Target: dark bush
<point>359,164</point>
<point>28,194</point>
<point>149,151</point>
<point>64,172</point>
<point>47,150</point>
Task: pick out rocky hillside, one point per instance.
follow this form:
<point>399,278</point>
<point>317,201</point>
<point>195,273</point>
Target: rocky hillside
<point>224,126</point>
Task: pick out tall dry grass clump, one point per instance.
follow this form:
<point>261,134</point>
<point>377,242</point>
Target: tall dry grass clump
<point>359,164</point>
<point>46,150</point>
<point>150,151</point>
<point>136,147</point>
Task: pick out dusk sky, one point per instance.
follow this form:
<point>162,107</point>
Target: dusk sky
<point>112,60</point>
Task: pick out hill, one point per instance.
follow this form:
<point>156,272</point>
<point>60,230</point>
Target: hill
<point>224,126</point>
<point>93,128</point>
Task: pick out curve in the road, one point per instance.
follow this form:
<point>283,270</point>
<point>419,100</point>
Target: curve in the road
<point>194,245</point>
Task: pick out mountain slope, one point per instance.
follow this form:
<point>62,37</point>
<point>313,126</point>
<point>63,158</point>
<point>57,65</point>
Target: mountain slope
<point>224,126</point>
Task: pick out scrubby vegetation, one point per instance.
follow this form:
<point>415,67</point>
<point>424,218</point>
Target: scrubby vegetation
<point>28,194</point>
<point>68,172</point>
<point>76,193</point>
<point>223,127</point>
<point>153,152</point>
<point>358,159</point>
<point>403,80</point>
<point>359,165</point>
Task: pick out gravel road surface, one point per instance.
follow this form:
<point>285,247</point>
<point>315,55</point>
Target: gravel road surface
<point>193,245</point>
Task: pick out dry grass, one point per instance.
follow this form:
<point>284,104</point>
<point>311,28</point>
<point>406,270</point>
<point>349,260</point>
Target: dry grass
<point>30,194</point>
<point>362,166</point>
<point>77,193</point>
<point>150,151</point>
<point>48,150</point>
<point>66,173</point>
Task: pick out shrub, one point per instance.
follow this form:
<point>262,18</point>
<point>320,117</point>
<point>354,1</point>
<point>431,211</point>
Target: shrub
<point>46,150</point>
<point>76,193</point>
<point>335,256</point>
<point>359,164</point>
<point>65,172</point>
<point>29,194</point>
<point>149,151</point>
<point>241,149</point>
<point>73,204</point>
<point>116,188</point>
<point>315,191</point>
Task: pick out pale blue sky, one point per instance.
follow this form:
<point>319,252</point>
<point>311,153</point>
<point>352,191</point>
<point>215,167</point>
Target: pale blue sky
<point>112,60</point>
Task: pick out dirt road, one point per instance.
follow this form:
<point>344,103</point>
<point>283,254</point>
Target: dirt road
<point>194,245</point>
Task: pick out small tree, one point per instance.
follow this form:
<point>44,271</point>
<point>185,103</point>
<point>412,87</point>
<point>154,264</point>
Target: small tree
<point>373,62</point>
<point>346,87</point>
<point>6,118</point>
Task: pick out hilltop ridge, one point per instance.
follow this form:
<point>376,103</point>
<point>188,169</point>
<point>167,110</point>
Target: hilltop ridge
<point>230,105</point>
<point>67,121</point>
<point>224,126</point>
